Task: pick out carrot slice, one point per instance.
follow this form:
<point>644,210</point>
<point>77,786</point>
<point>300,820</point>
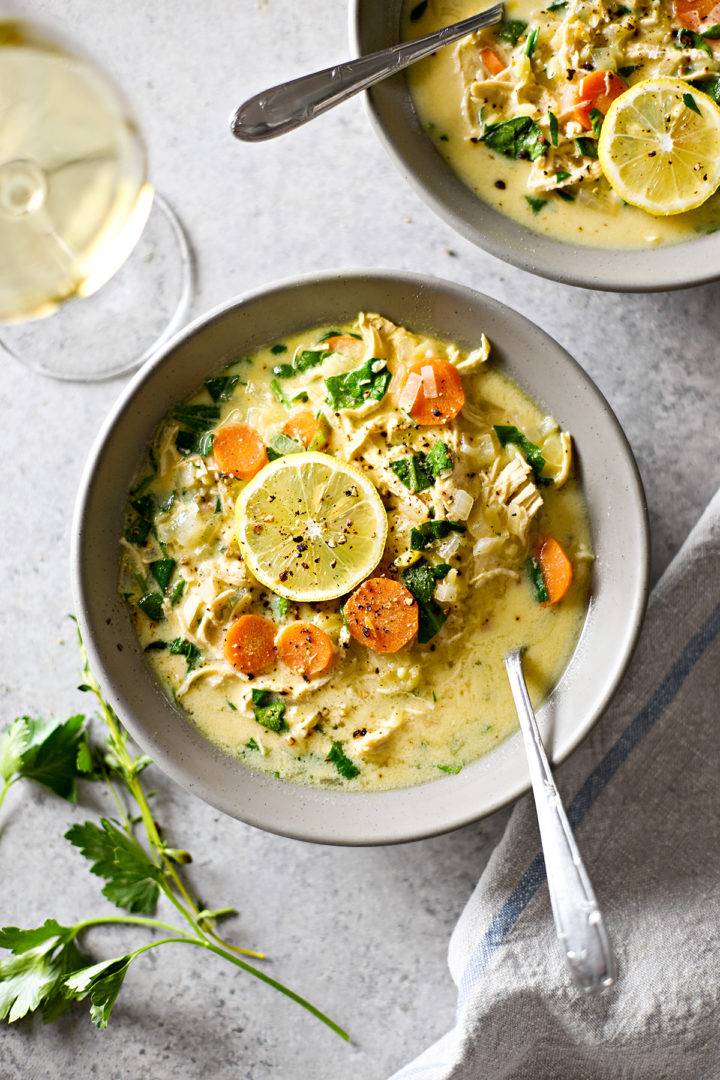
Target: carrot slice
<point>250,644</point>
<point>450,394</point>
<point>693,13</point>
<point>305,427</point>
<point>306,649</point>
<point>597,91</point>
<point>492,61</point>
<point>344,343</point>
<point>239,451</point>
<point>382,614</point>
<point>556,568</point>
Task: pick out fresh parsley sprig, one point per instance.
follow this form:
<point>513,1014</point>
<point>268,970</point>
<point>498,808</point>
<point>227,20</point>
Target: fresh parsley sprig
<point>47,970</point>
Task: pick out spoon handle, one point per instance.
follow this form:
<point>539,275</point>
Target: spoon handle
<point>578,920</point>
<point>285,107</point>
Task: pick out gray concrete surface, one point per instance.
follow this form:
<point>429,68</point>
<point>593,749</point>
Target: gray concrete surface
<point>362,933</point>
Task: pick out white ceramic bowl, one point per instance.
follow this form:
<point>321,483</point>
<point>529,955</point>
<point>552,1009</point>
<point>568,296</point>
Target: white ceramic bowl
<point>619,524</point>
<point>375,24</point>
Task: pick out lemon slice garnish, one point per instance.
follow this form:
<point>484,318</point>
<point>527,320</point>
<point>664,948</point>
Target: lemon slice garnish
<point>659,146</point>
<point>310,527</point>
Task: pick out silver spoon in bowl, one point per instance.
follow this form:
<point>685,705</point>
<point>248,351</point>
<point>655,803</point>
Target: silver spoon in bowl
<point>578,920</point>
<point>285,107</point>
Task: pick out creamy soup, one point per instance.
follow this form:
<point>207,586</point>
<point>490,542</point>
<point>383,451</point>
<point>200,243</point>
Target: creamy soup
<point>481,541</point>
<point>534,66</point>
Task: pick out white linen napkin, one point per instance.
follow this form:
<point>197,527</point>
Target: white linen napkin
<point>643,796</point>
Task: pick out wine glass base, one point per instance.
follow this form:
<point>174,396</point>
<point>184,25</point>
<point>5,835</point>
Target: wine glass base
<point>120,326</point>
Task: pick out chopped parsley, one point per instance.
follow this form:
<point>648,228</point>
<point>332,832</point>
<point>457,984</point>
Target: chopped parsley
<point>511,30</point>
<point>449,768</point>
<point>222,387</point>
<point>429,531</point>
<point>183,647</point>
<point>519,137</point>
<point>366,383</point>
<point>342,762</point>
<point>537,581</point>
<point>535,205</point>
<point>252,745</point>
<point>230,705</point>
<point>276,350</point>
<point>560,176</point>
<point>508,433</point>
<point>282,604</point>
<point>418,472</point>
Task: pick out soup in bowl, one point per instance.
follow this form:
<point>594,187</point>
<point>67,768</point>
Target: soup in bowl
<point>331,524</point>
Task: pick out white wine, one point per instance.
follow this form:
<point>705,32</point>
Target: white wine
<point>74,197</point>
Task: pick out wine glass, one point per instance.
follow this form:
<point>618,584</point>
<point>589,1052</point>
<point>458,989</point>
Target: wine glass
<point>77,213</point>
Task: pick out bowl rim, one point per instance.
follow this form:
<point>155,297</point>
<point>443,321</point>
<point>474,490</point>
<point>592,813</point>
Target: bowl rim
<point>101,650</point>
<point>633,270</point>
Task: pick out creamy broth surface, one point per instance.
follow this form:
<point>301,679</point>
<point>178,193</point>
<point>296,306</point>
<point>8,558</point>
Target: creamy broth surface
<point>591,213</point>
<point>403,717</point>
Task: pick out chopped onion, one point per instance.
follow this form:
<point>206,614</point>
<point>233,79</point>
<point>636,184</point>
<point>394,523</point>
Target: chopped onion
<point>429,385</point>
<point>487,543</point>
<point>446,548</point>
<point>410,391</point>
<point>462,504</point>
<point>447,591</point>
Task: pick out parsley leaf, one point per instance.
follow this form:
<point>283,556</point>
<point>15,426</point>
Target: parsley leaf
<point>33,976</point>
<point>222,387</point>
<point>182,647</point>
<point>511,30</point>
<point>101,983</point>
<point>352,389</point>
<point>535,205</point>
<point>519,137</point>
<point>537,580</point>
<point>132,878</point>
<point>429,531</point>
<point>252,745</point>
<point>449,768</point>
<point>51,752</point>
<point>342,762</point>
<point>508,433</point>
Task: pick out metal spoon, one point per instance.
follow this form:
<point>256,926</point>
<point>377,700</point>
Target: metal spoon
<point>285,107</point>
<point>578,920</point>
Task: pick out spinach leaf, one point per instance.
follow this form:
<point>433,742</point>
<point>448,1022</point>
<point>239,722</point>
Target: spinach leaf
<point>419,471</point>
<point>283,371</point>
<point>178,590</point>
<point>260,697</point>
<point>187,442</point>
<point>182,647</point>
<point>309,358</point>
<point>162,571</point>
<point>712,33</point>
<point>626,72</point>
<point>222,387</point>
<point>560,176</point>
<point>711,87</point>
<point>279,395</point>
<point>429,531</point>
<point>557,6</point>
<point>688,39</point>
<point>276,350</point>
<point>531,42</point>
<point>352,389</point>
<point>342,762</point>
<point>519,137</point>
<point>282,444</point>
<point>566,196</point>
<point>449,768</point>
<point>508,433</point>
<point>197,418</point>
<point>271,716</point>
<point>151,604</point>
<point>554,128</point>
<point>691,103</point>
<point>537,580</point>
<point>511,30</point>
<point>586,147</point>
<point>420,579</point>
<point>596,119</point>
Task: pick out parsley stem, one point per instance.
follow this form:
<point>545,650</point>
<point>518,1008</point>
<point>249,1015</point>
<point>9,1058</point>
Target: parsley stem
<point>6,787</point>
<point>135,920</point>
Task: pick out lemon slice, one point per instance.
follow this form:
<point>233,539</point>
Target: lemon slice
<point>659,146</point>
<point>310,527</point>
